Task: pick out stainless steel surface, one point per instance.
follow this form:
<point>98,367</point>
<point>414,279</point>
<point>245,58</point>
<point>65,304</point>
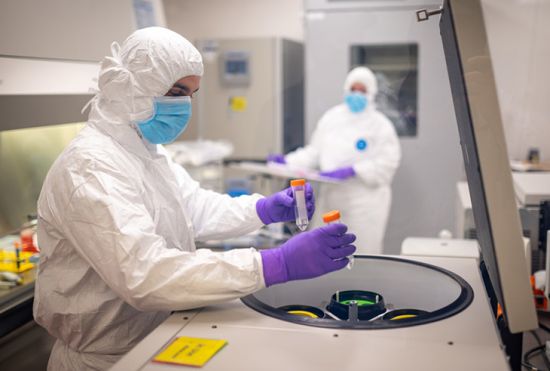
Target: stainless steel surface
<point>10,298</point>
<point>46,110</point>
<point>272,121</point>
<point>40,92</point>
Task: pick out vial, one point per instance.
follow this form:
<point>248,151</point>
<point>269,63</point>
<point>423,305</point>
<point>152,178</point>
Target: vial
<point>334,217</point>
<point>299,192</point>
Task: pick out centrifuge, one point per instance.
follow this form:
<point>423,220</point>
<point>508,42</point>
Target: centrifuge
<point>432,314</point>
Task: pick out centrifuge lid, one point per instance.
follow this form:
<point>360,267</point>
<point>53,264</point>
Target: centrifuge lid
<point>477,110</point>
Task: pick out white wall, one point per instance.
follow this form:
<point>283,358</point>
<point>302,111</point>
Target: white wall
<point>199,19</point>
<point>63,29</point>
<point>519,39</point>
<point>518,34</point>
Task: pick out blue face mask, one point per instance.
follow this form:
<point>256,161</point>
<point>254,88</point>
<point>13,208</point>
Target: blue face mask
<point>357,102</point>
<point>170,118</point>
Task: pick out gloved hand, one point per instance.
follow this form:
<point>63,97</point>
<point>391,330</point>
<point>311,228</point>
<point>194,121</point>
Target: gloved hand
<point>279,207</point>
<point>277,158</point>
<point>308,254</point>
<point>341,173</point>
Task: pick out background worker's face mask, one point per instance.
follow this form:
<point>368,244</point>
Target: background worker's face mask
<point>356,101</point>
<point>170,118</point>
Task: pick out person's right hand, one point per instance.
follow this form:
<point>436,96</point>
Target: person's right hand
<point>308,255</point>
<point>276,158</point>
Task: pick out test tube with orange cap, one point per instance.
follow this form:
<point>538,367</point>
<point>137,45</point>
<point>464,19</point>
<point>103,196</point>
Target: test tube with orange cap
<point>334,217</point>
<point>299,192</point>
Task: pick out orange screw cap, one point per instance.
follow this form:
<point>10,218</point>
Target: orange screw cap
<point>331,216</point>
<point>297,182</point>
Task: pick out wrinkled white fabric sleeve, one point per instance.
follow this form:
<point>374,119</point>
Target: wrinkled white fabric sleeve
<point>379,169</point>
<point>217,216</point>
<point>107,222</point>
<point>308,157</point>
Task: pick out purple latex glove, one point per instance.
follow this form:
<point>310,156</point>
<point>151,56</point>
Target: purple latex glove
<point>308,254</point>
<point>341,173</point>
<point>277,158</point>
<point>279,207</point>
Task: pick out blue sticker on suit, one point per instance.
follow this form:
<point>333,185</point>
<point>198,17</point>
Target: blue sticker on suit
<point>361,144</point>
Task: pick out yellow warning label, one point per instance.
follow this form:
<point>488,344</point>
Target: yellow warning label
<point>190,351</point>
<point>238,104</point>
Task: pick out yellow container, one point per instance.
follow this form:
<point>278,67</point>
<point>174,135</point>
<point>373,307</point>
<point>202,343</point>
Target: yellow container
<point>8,261</point>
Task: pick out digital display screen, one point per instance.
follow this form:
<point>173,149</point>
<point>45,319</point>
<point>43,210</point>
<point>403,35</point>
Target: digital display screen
<point>236,67</point>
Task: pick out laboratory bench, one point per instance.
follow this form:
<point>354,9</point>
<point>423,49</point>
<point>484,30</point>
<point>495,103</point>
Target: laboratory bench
<point>16,303</point>
<point>18,331</point>
<point>24,345</point>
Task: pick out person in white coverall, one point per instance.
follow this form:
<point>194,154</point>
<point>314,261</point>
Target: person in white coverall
<point>355,143</point>
<point>118,220</point>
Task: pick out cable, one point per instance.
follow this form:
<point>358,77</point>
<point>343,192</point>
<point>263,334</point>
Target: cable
<point>544,355</point>
<point>531,353</point>
<point>536,336</point>
<point>544,327</point>
<point>529,366</point>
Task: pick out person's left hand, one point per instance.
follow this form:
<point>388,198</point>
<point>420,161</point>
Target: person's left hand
<point>276,158</point>
<point>341,173</point>
<point>279,207</point>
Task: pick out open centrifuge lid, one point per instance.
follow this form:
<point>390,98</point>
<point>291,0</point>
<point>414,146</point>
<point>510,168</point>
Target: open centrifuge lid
<point>486,159</point>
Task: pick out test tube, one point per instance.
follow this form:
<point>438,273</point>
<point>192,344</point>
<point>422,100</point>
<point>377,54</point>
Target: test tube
<point>299,193</point>
<point>334,217</point>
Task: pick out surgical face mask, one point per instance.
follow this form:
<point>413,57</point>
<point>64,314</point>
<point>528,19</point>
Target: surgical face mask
<point>170,118</point>
<point>357,102</point>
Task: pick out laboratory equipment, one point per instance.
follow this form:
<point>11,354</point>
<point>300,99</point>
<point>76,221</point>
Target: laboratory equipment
<point>441,286</point>
<point>11,277</point>
<point>334,217</point>
<point>235,68</point>
<point>28,236</point>
<point>467,341</point>
<point>403,314</point>
<point>299,193</point>
<point>532,190</point>
<point>481,131</point>
<point>408,61</point>
<point>356,305</point>
<point>15,260</point>
<point>376,282</point>
<point>251,95</point>
<point>303,310</point>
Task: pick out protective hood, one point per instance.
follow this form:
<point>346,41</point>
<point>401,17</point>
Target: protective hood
<point>147,64</point>
<point>364,76</point>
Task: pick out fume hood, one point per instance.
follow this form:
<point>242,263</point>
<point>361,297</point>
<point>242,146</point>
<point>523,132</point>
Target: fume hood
<point>38,92</point>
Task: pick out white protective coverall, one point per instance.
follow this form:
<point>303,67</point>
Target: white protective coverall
<point>117,219</point>
<point>364,200</point>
